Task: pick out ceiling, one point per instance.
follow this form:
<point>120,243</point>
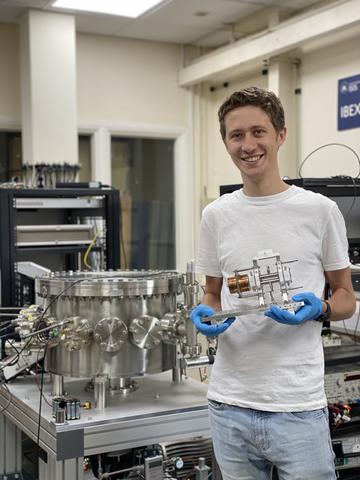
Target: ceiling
<point>203,23</point>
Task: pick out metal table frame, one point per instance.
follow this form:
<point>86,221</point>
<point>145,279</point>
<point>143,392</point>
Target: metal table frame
<point>160,411</point>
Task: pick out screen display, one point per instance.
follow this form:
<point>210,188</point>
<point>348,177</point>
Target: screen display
<point>350,208</point>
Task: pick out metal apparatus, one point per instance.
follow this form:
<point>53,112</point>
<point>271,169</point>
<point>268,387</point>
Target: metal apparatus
<point>112,326</point>
<point>172,461</point>
<point>268,278</point>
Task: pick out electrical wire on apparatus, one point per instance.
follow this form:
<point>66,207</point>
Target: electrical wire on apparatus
<point>122,244</point>
<point>39,370</point>
<point>352,179</point>
<point>46,344</point>
<point>353,200</point>
<point>44,355</point>
<point>330,145</point>
<point>88,250</point>
<point>27,343</point>
<point>47,175</point>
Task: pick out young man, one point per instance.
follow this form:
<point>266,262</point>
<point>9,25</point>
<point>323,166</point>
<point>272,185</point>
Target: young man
<point>267,404</point>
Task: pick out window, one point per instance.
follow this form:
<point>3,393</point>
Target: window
<point>143,171</point>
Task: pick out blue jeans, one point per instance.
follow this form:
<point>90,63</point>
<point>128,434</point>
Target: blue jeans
<point>248,443</point>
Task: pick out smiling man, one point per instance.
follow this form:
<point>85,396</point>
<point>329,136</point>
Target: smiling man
<point>267,403</point>
<point>253,143</point>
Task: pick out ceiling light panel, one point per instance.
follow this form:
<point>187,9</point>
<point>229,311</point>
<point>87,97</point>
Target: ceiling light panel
<point>123,8</point>
<point>175,21</point>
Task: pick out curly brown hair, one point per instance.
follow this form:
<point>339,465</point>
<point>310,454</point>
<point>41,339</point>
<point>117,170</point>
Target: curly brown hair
<point>255,97</point>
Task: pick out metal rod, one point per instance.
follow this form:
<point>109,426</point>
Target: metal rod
<point>100,391</point>
<point>176,375</point>
<point>57,385</point>
<point>198,362</point>
<point>139,468</point>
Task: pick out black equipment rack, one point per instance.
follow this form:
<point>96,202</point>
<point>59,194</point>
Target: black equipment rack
<point>10,212</point>
<point>330,187</point>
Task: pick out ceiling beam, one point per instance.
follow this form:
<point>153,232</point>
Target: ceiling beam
<point>283,38</point>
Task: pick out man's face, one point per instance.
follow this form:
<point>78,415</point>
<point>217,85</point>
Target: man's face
<point>252,142</point>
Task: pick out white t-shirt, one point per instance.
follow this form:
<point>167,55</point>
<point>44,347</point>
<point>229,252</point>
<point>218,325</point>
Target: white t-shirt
<point>260,363</point>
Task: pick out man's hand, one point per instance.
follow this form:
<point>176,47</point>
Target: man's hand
<point>310,311</point>
<point>202,311</point>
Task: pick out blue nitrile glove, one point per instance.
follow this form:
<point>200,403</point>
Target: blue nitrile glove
<point>207,329</point>
<point>310,311</point>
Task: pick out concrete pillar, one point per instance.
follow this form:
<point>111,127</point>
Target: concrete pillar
<point>101,156</point>
<point>48,84</point>
<point>282,81</point>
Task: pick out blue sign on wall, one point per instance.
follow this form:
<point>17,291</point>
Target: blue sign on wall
<point>349,103</point>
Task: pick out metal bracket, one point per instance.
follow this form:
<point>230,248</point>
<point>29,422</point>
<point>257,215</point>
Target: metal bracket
<point>223,314</point>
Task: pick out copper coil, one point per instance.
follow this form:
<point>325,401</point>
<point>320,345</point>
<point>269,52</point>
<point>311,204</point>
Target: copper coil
<point>239,283</point>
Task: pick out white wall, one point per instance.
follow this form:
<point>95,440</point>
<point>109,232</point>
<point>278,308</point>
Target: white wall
<point>10,110</point>
<point>320,72</point>
<point>120,82</point>
<point>129,82</point>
